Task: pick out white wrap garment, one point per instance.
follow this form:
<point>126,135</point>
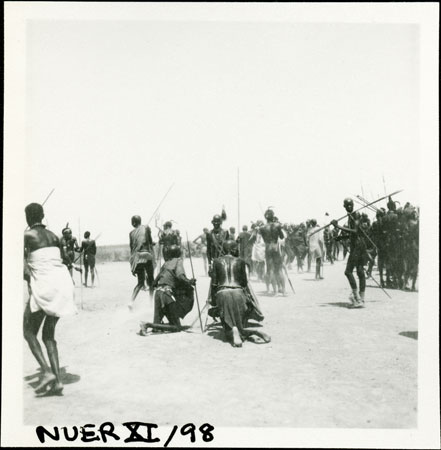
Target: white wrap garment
<point>52,288</point>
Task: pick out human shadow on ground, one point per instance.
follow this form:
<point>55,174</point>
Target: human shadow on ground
<point>338,304</point>
<point>216,331</point>
<point>409,334</point>
<point>390,288</point>
<point>266,294</point>
<point>66,378</point>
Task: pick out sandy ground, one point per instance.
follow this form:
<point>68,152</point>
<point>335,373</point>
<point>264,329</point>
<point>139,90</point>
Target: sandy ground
<point>327,365</point>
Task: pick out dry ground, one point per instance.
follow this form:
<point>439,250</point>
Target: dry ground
<point>327,365</point>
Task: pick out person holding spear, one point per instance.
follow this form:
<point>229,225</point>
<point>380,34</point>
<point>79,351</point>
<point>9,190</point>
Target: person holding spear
<point>68,246</point>
<point>88,248</point>
<point>357,253</point>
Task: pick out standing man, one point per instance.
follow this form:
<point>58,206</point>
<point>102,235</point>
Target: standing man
<point>88,248</point>
<point>232,233</point>
<point>299,245</point>
<point>327,236</point>
<point>258,250</point>
<point>215,239</point>
<point>202,246</point>
<point>245,246</point>
<point>68,247</point>
<point>357,253</point>
<point>271,232</point>
<point>315,245</point>
<point>141,257</point>
<point>51,295</point>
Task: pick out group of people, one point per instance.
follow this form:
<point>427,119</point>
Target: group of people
<point>392,240</point>
<point>231,297</point>
<point>87,249</point>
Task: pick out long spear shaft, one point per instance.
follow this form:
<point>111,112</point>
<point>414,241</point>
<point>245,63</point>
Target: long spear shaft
<point>379,285</point>
<point>366,202</point>
<point>238,203</point>
<point>371,208</point>
<point>346,215</point>
<point>81,271</point>
<point>195,290</point>
<point>160,203</point>
<point>287,277</point>
<point>47,198</point>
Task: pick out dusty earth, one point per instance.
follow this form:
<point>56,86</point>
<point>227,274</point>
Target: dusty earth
<point>327,365</point>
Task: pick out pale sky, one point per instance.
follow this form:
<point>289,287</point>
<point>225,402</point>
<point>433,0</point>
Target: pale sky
<point>117,111</point>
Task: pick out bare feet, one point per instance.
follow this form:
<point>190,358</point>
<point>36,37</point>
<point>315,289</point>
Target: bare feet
<point>258,337</point>
<point>46,379</point>
<point>57,388</point>
<point>237,341</point>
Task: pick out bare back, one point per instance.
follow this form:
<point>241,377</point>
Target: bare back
<point>271,232</point>
<point>39,237</point>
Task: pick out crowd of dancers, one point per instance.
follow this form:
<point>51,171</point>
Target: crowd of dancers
<point>266,250</point>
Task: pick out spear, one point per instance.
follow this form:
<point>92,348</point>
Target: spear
<point>371,208</point>
<point>47,198</point>
<point>346,215</point>
<point>287,277</point>
<point>160,203</point>
<point>366,201</point>
<point>81,271</point>
<point>195,290</point>
<point>379,285</point>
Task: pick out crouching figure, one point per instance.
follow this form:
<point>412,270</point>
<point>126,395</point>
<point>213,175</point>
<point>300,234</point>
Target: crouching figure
<point>235,301</point>
<point>173,295</point>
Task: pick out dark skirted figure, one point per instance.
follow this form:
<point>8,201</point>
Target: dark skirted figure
<point>245,246</point>
<point>88,249</point>
<point>357,253</point>
<point>141,257</point>
<point>235,302</point>
<point>51,296</point>
<point>173,290</point>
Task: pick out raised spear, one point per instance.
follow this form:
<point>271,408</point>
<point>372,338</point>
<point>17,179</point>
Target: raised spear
<point>365,206</point>
<point>47,198</point>
<point>160,203</point>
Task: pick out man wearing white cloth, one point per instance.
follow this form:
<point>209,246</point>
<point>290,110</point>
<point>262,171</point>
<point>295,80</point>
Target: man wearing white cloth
<point>315,245</point>
<point>51,295</point>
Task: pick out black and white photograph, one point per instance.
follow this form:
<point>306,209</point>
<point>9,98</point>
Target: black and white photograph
<point>221,225</point>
